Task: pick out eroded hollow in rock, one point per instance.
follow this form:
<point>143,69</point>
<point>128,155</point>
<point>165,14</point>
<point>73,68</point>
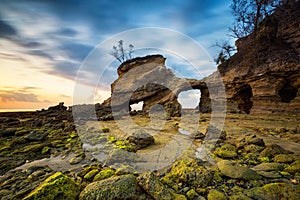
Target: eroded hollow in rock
<point>287,93</point>
<point>243,98</point>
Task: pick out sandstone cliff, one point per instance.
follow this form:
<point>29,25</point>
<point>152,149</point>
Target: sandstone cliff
<point>264,75</point>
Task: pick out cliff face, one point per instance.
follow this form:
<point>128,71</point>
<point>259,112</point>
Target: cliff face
<point>264,75</point>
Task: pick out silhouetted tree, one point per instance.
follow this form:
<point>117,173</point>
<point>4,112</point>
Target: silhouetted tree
<point>120,53</point>
<point>225,52</point>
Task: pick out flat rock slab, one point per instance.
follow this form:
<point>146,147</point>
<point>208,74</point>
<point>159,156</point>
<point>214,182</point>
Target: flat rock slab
<point>230,170</point>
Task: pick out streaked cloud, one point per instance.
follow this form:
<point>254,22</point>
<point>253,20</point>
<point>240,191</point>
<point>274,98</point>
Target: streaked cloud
<point>54,37</point>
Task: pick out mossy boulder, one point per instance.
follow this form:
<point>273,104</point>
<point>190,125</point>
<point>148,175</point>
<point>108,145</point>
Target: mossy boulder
<point>272,150</point>
<point>239,197</point>
<point>284,158</point>
<point>120,187</point>
<point>191,194</point>
<point>293,168</point>
<point>249,140</point>
<point>269,167</point>
<point>57,186</point>
<point>226,151</point>
<point>232,170</point>
<point>216,194</point>
<point>188,172</point>
<point>103,174</point>
<point>282,191</point>
<point>141,139</point>
<point>90,175</point>
<point>156,189</point>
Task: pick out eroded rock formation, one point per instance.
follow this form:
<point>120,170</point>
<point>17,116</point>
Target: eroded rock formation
<point>264,75</point>
<point>147,79</point>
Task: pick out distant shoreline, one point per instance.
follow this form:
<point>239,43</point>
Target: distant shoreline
<point>17,110</point>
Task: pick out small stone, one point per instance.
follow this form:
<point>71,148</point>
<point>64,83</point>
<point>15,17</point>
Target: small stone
<point>75,160</point>
<point>269,174</point>
<point>90,175</point>
<point>213,132</point>
<point>199,136</point>
<point>36,135</point>
<point>141,139</point>
<point>105,130</point>
<point>45,150</point>
<point>191,194</point>
<point>269,167</point>
<point>248,140</point>
<point>253,148</point>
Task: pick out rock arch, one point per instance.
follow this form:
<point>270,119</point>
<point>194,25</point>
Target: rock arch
<point>147,79</point>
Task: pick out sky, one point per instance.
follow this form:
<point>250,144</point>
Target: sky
<point>44,44</point>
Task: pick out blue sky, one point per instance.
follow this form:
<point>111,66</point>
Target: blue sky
<point>44,42</point>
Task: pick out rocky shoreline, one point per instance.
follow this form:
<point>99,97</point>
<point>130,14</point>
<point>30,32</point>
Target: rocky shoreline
<point>42,157</point>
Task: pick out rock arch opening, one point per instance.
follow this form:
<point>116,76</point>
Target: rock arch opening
<point>287,93</point>
<point>137,106</point>
<point>189,99</point>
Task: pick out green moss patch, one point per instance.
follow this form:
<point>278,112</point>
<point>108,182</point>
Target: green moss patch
<point>226,151</point>
<point>57,186</point>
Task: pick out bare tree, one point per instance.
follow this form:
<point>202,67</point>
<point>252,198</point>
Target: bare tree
<point>248,14</point>
<point>225,52</point>
<point>120,53</point>
<point>130,51</point>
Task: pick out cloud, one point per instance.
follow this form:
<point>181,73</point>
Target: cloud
<point>64,32</point>
<point>8,96</point>
<point>6,30</point>
<point>23,94</point>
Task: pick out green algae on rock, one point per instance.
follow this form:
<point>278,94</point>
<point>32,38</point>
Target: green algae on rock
<point>272,150</point>
<point>57,186</point>
<point>216,194</point>
<point>155,188</point>
<point>282,191</point>
<point>226,151</point>
<point>189,172</point>
<point>125,145</point>
<point>284,158</point>
<point>103,174</point>
<point>230,170</point>
<point>90,175</point>
<point>120,187</point>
